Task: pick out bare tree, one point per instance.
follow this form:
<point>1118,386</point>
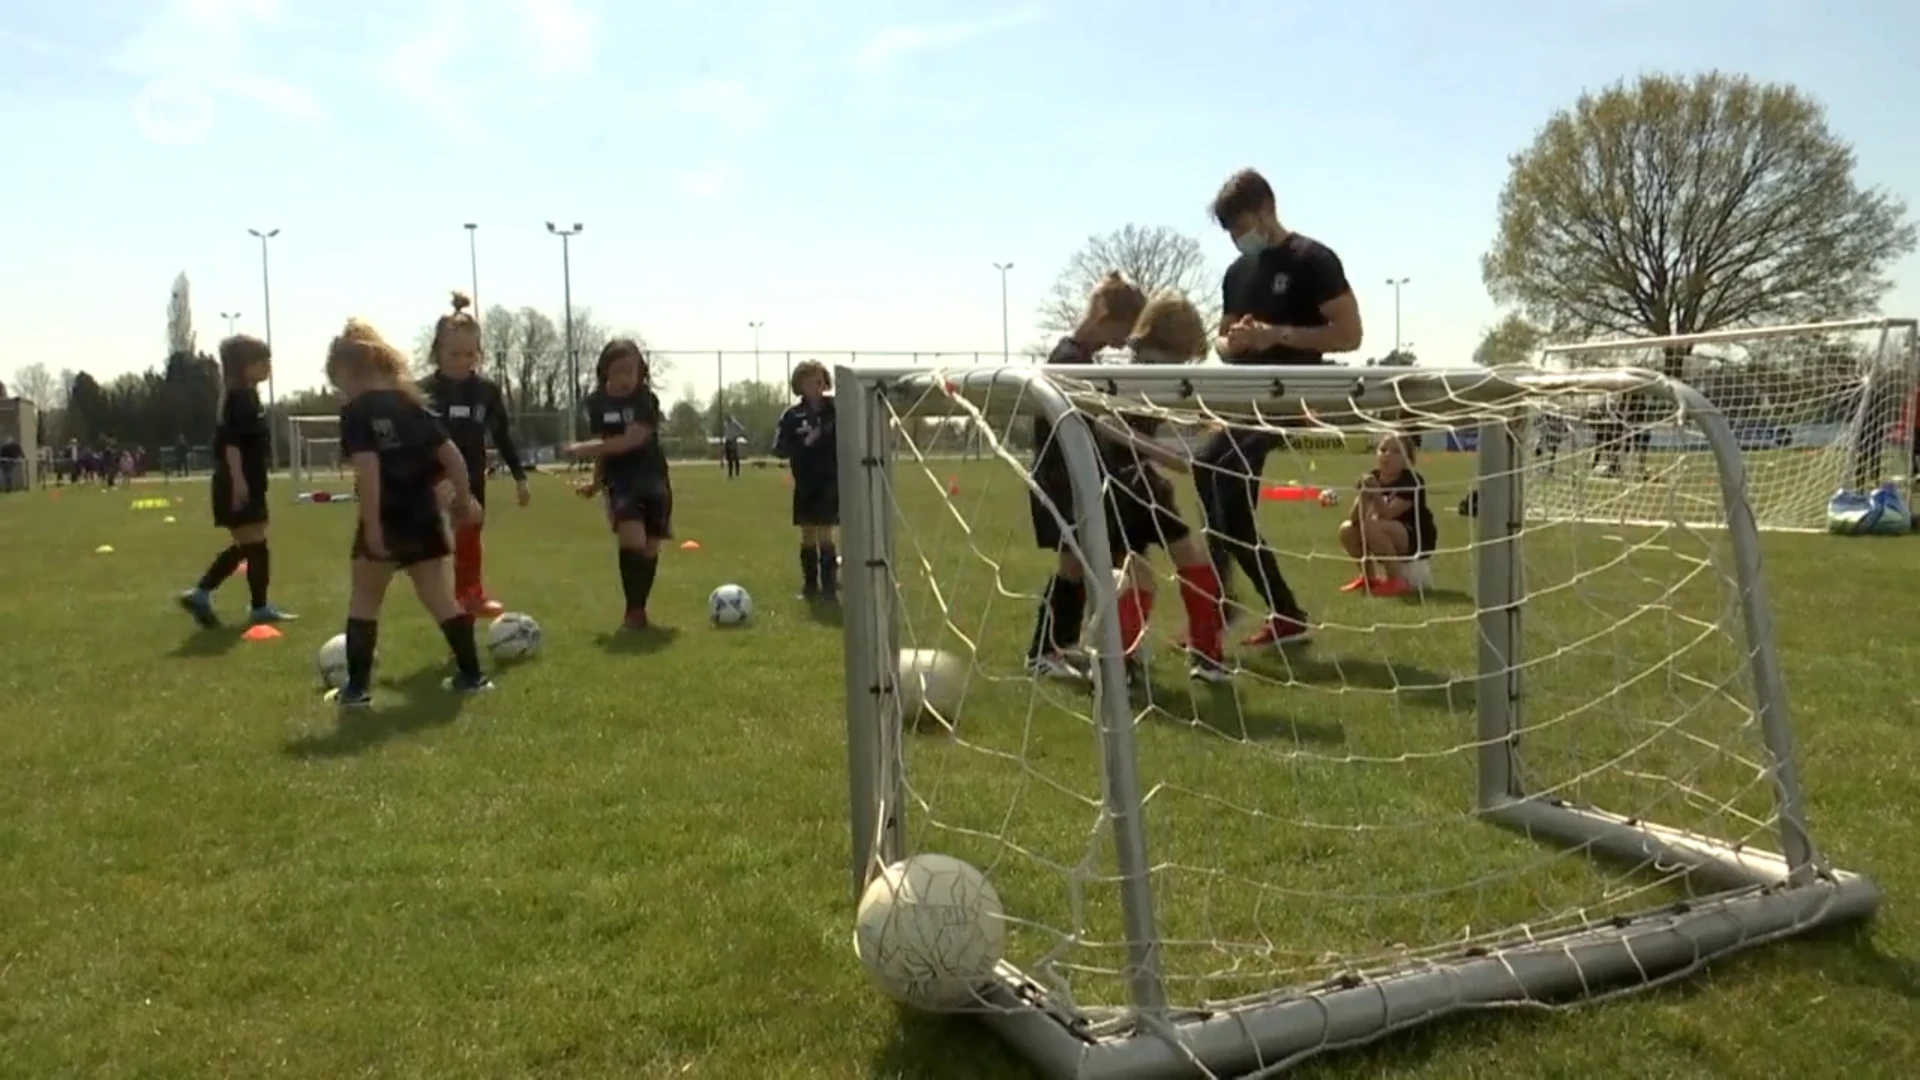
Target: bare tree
<point>38,385</point>
<point>180,336</point>
<point>1513,340</point>
<point>1152,257</point>
<point>1678,206</point>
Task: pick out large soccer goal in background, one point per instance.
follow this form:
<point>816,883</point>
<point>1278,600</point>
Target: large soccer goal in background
<point>1812,408</point>
<point>1564,772</point>
<point>313,448</point>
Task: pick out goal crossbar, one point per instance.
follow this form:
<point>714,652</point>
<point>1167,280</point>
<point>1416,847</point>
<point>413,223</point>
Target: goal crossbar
<point>1738,895</point>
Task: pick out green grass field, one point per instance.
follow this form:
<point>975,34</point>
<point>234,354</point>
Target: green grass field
<point>631,860</point>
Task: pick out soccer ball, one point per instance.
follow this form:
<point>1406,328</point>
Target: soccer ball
<point>932,681</point>
<point>513,636</point>
<point>1329,497</point>
<point>930,931</point>
<point>332,662</point>
<point>729,606</point>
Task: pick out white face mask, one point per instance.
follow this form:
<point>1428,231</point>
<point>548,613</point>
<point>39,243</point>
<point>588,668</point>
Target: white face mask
<point>1251,243</point>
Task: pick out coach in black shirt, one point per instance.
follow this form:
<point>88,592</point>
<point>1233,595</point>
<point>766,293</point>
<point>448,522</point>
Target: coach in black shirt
<point>1285,300</point>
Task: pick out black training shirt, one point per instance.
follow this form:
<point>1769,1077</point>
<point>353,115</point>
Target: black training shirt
<point>815,464</point>
<point>473,409</point>
<point>243,427</point>
<point>1285,285</point>
<point>609,415</point>
<point>406,436</point>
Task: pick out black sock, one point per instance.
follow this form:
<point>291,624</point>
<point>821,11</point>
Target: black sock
<point>809,567</point>
<point>259,571</point>
<point>630,580</point>
<point>1057,626</point>
<point>829,568</point>
<point>220,569</point>
<point>459,634</point>
<point>362,636</point>
<point>646,568</point>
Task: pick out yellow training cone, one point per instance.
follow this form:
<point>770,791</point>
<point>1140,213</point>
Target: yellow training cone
<point>103,549</point>
<point>168,520</point>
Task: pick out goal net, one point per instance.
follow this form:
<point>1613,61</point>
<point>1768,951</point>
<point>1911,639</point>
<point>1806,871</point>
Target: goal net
<point>1560,771</point>
<point>1813,409</point>
<point>313,445</point>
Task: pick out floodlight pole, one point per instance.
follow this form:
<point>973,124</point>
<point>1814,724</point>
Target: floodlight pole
<point>231,317</point>
<point>1006,345</point>
<point>1398,284</point>
<point>266,302</point>
<point>755,327</point>
<point>566,284</point>
<point>473,263</point>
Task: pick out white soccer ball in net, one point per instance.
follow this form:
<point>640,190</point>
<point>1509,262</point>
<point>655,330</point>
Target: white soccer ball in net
<point>513,636</point>
<point>332,662</point>
<point>932,681</point>
<point>929,932</point>
<point>729,606</point>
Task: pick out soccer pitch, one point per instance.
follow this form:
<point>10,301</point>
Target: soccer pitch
<point>631,859</point>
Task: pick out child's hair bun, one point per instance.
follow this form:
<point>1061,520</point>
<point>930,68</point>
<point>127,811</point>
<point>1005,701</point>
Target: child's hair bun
<point>461,301</point>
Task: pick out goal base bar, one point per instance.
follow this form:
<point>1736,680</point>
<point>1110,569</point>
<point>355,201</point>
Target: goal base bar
<point>1762,903</point>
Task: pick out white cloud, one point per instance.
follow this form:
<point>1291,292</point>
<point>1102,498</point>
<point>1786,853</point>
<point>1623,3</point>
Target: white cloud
<point>707,182</point>
<point>895,42</point>
<point>730,103</point>
<point>417,66</point>
<point>191,39</point>
<point>564,35</point>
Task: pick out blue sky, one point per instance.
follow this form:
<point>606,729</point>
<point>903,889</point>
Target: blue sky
<point>845,171</point>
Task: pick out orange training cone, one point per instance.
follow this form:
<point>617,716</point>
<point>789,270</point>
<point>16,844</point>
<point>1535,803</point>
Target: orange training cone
<point>689,545</point>
<point>262,632</point>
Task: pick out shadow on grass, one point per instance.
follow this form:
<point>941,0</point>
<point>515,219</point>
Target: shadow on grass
<point>423,705</point>
<point>213,641</point>
<point>923,1049</point>
<point>1219,709</point>
<point>636,642</point>
<point>1439,596</point>
<point>1408,683</point>
<point>826,612</point>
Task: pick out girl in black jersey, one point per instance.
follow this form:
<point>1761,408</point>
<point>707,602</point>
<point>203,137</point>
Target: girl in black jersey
<point>474,411</point>
<point>242,443</point>
<point>630,470</point>
<point>1111,311</point>
<point>1390,523</point>
<point>400,453</point>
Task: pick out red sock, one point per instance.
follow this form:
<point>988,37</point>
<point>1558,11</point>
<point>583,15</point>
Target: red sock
<point>1206,625</point>
<point>463,560</point>
<point>1136,608</point>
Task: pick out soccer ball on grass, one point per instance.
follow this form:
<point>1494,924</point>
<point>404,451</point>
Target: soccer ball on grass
<point>729,605</point>
<point>513,636</point>
<point>332,662</point>
<point>932,681</point>
<point>929,932</point>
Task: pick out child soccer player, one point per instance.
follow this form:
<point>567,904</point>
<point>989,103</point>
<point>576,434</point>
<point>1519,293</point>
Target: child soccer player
<point>241,444</point>
<point>1390,522</point>
<point>399,452</point>
<point>806,442</point>
<point>630,468</point>
<point>1140,502</point>
<point>1112,309</point>
<point>472,408</point>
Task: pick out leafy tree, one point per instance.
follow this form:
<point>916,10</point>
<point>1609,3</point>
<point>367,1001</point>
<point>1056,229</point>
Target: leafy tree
<point>756,405</point>
<point>1513,340</point>
<point>1152,257</point>
<point>87,409</point>
<point>1683,205</point>
<point>180,336</point>
<point>1397,358</point>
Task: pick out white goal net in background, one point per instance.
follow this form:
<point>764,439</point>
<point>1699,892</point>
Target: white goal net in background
<point>313,447</point>
<point>1813,409</point>
<point>1556,774</point>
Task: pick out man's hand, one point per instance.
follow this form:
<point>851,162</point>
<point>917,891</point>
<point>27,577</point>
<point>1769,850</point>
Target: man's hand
<point>521,492</point>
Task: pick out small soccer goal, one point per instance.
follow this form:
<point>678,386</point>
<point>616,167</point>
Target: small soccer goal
<point>1813,409</point>
<point>313,447</point>
<point>1560,770</point>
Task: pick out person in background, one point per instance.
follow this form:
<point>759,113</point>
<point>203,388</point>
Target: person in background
<point>730,446</point>
<point>806,442</point>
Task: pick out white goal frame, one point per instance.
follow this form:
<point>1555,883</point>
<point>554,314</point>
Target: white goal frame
<point>300,470</point>
<point>1746,896</point>
<point>1892,366</point>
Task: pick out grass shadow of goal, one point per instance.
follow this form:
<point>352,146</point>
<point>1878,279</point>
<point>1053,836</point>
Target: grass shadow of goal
<point>1408,683</point>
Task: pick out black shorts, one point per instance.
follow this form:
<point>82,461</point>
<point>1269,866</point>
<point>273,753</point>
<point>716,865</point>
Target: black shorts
<point>411,536</point>
<point>228,516</point>
<point>1140,510</point>
<point>648,502</point>
<point>816,503</point>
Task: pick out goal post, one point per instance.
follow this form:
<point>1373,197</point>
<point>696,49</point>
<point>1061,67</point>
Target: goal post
<point>1226,880</point>
<point>313,447</point>
<point>1814,409</point>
